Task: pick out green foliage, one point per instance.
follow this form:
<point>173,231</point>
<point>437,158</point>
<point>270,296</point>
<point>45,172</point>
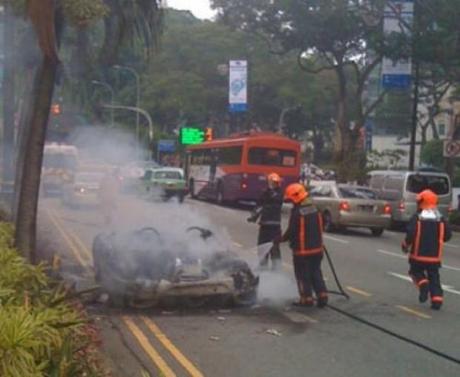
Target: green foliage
<point>389,158</point>
<point>82,12</point>
<point>42,332</point>
<point>432,153</point>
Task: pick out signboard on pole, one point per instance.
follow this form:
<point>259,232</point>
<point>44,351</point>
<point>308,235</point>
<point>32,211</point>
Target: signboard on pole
<point>397,74</point>
<point>167,146</point>
<point>191,135</point>
<point>238,86</point>
<point>451,148</point>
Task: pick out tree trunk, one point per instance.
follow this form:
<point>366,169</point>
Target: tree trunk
<point>23,134</point>
<point>8,96</point>
<point>25,236</point>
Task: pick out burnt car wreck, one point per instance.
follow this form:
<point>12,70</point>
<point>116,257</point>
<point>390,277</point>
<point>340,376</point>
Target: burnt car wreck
<point>142,269</point>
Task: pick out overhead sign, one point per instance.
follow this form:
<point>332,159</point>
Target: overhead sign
<point>191,135</point>
<point>168,146</point>
<point>451,148</point>
<point>238,86</point>
<point>398,16</point>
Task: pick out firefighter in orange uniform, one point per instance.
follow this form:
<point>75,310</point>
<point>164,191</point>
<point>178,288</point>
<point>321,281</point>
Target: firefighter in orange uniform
<point>268,213</point>
<point>305,236</point>
<point>426,233</point>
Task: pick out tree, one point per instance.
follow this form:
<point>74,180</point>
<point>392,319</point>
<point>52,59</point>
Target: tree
<point>337,34</point>
<point>47,18</point>
<point>432,154</point>
<point>185,84</point>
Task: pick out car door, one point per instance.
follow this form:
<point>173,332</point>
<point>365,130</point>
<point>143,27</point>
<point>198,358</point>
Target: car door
<point>146,181</point>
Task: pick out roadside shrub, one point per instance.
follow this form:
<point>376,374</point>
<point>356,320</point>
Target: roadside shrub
<point>43,331</point>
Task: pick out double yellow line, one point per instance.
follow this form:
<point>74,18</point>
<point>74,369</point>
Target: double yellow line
<point>84,258</point>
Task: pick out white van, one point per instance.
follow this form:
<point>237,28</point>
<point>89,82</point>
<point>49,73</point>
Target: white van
<point>400,189</point>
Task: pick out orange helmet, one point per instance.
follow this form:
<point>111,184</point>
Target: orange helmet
<point>427,199</point>
<point>273,177</point>
<point>295,192</point>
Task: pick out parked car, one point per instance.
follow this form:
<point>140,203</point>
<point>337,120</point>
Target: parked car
<point>164,183</point>
<point>400,189</point>
<point>130,174</point>
<point>345,206</point>
<point>83,190</point>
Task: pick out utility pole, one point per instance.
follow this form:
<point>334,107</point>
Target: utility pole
<point>416,63</point>
<point>413,135</point>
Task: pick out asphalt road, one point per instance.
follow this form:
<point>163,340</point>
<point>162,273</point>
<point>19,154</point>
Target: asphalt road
<point>272,338</point>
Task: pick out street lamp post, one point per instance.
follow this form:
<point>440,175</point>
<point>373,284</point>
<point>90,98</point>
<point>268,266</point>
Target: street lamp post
<point>139,111</point>
<point>112,95</point>
<point>138,95</point>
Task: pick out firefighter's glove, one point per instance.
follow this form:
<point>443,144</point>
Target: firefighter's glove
<point>404,248</point>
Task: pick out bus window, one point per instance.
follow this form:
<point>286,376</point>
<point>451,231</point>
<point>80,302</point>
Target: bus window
<point>201,157</point>
<point>230,156</point>
<point>272,157</point>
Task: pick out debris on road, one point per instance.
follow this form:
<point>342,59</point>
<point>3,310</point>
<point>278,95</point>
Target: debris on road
<point>222,319</point>
<point>214,338</point>
<point>274,332</point>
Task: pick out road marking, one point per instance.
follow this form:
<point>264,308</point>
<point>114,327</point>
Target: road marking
<point>187,364</point>
<point>452,245</point>
<point>237,244</point>
<point>447,288</point>
<point>359,291</point>
<point>77,240</point>
<point>336,239</point>
<point>391,254</point>
<point>148,348</point>
<point>445,266</point>
<point>413,312</point>
<point>299,317</point>
<point>66,238</point>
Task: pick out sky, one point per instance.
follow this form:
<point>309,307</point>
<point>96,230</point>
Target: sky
<point>199,8</point>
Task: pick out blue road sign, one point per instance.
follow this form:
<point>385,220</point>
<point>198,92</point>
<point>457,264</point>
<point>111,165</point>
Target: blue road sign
<point>168,146</point>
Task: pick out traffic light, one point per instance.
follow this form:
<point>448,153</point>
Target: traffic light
<point>208,134</point>
<point>56,109</point>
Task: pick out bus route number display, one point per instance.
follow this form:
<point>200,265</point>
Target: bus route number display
<point>191,135</point>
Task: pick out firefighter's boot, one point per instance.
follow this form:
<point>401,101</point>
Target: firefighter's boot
<point>322,300</point>
<point>423,293</point>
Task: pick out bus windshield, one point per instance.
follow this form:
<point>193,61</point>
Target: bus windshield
<point>272,157</point>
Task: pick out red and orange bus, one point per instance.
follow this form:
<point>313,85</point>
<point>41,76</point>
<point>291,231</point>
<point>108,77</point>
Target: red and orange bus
<point>236,168</point>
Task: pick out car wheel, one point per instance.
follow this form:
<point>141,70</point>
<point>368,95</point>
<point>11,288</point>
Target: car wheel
<point>377,232</point>
<point>327,222</point>
<point>192,189</point>
<point>220,194</point>
<point>246,299</point>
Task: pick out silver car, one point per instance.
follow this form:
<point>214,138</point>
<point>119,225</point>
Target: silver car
<point>346,206</point>
<point>83,190</point>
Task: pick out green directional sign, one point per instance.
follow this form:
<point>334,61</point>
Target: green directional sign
<point>191,135</point>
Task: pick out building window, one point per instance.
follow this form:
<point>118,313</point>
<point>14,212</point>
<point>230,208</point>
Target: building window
<point>442,129</point>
